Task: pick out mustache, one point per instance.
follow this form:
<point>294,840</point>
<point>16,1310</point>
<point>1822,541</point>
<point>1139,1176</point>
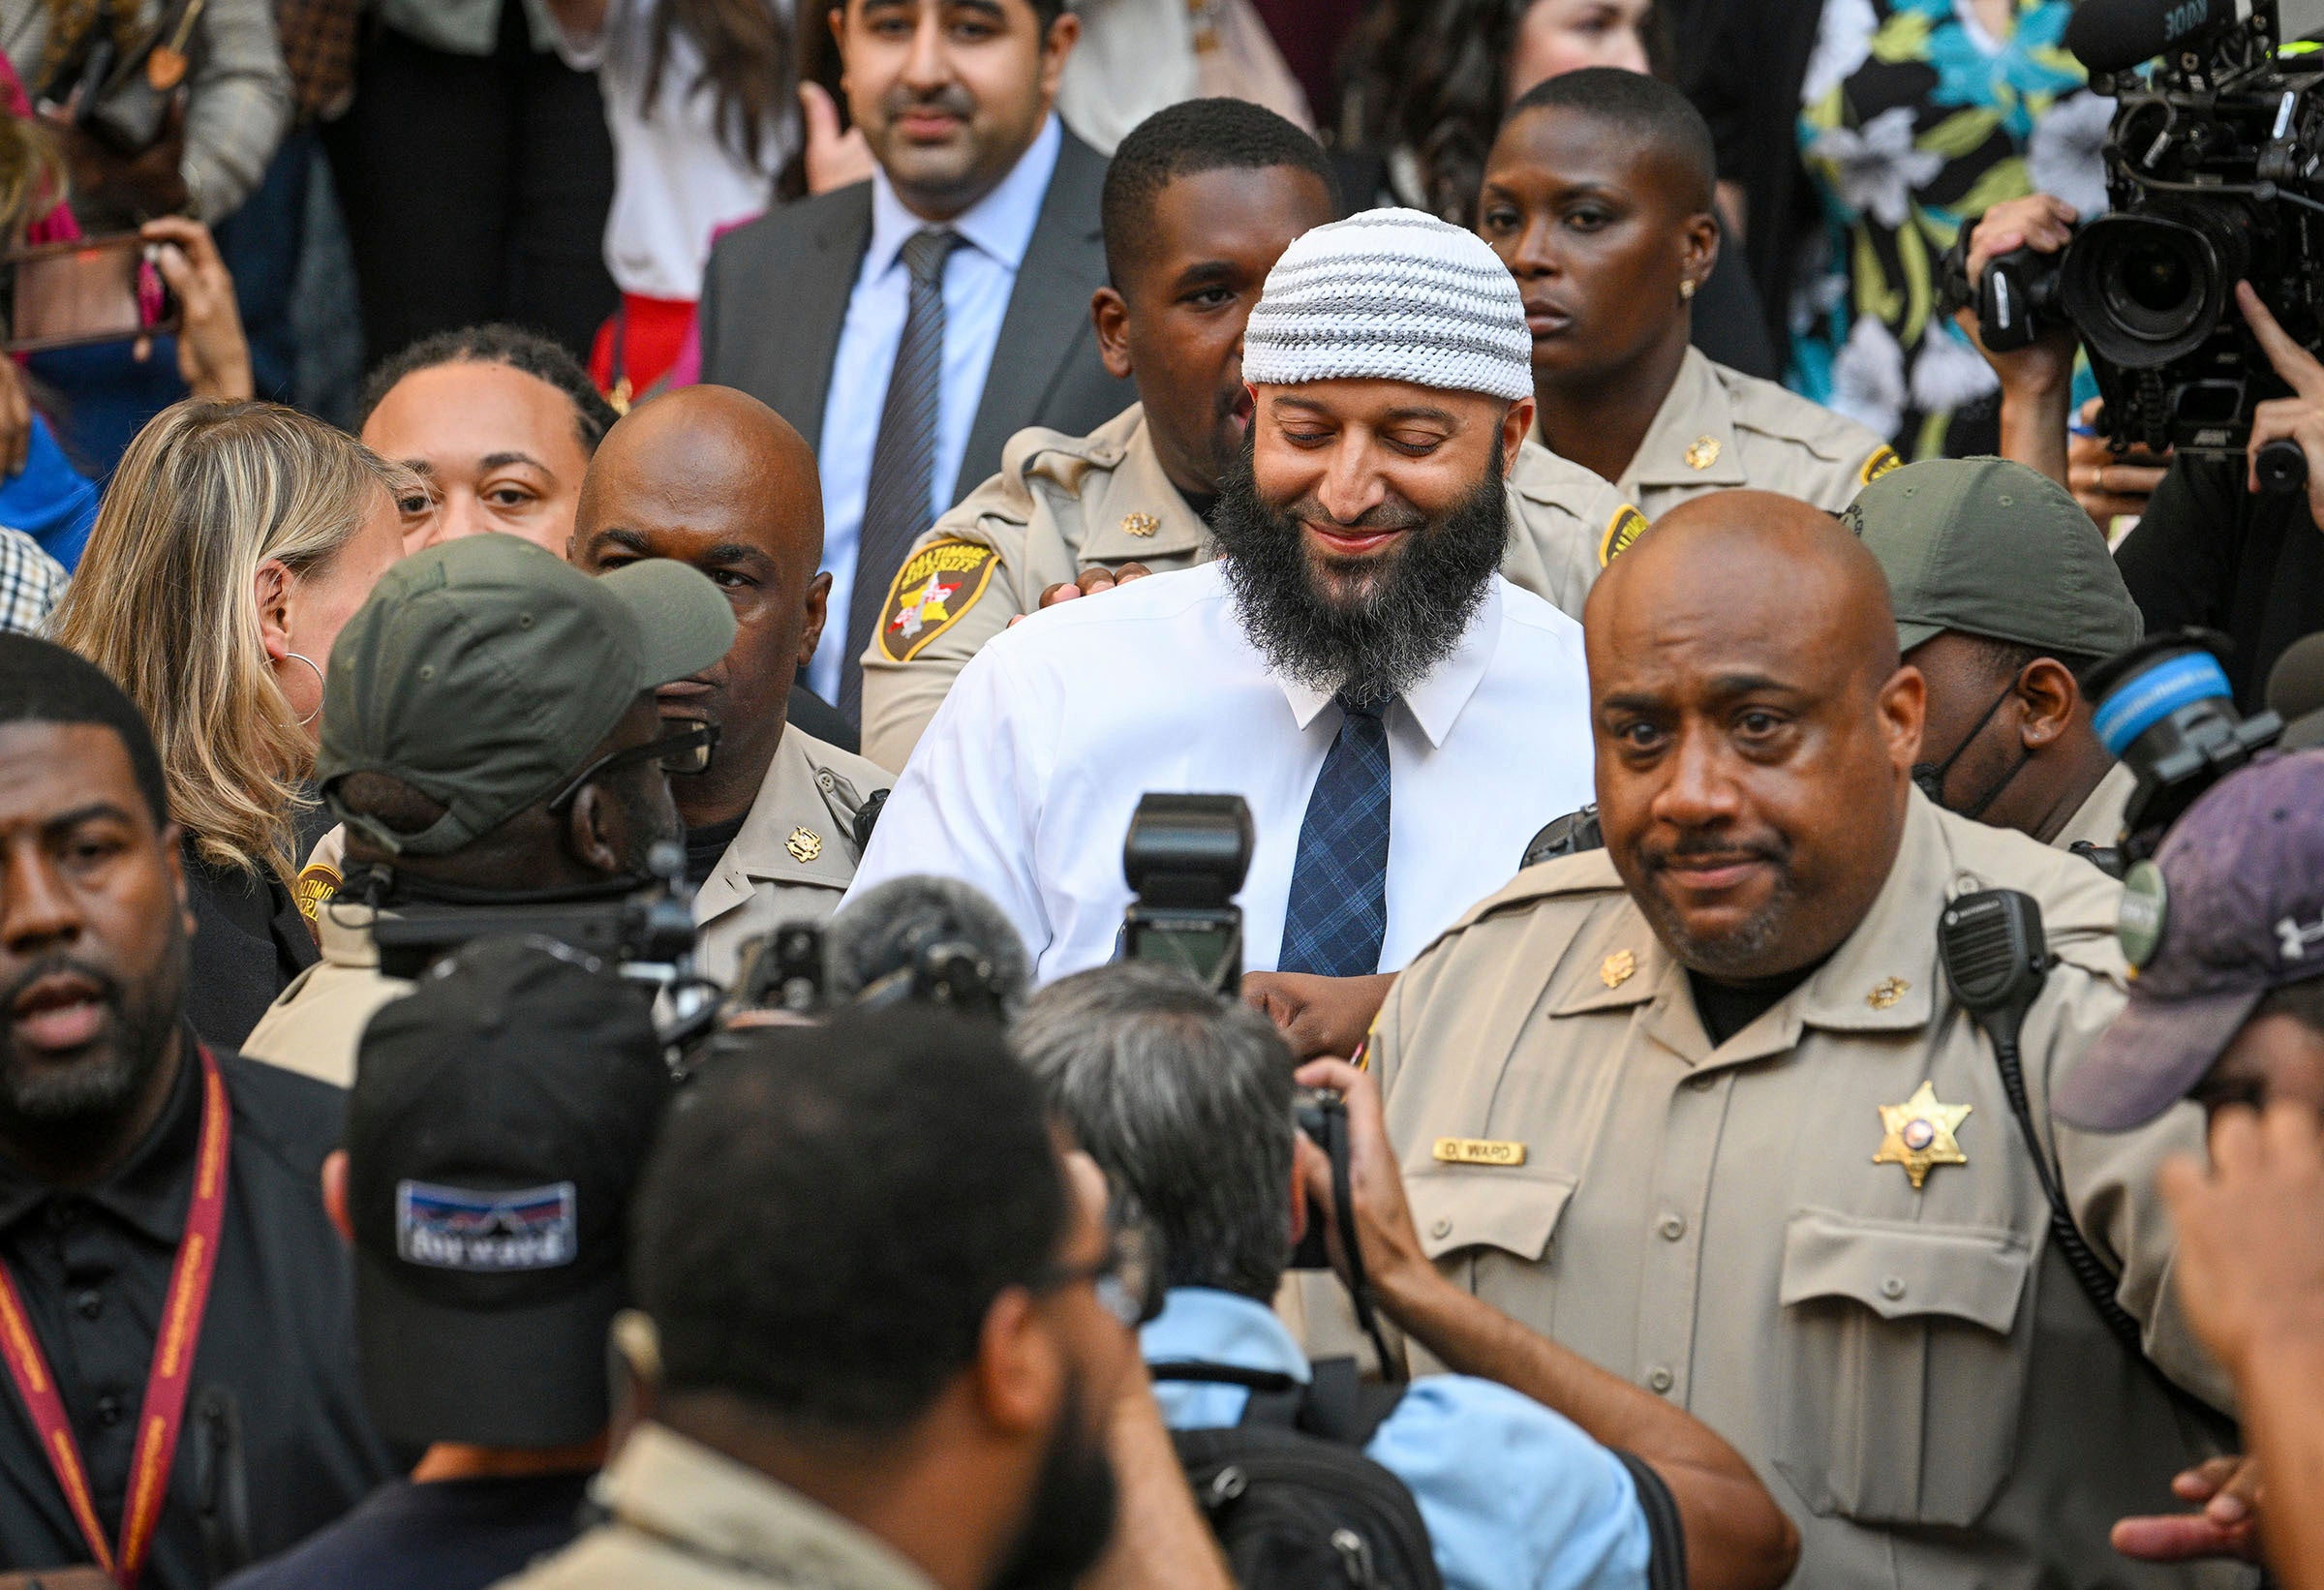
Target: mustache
<point>109,990</point>
<point>1392,513</point>
<point>951,99</point>
<point>1707,847</point>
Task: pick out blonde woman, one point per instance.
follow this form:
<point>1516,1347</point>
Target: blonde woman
<point>233,542</point>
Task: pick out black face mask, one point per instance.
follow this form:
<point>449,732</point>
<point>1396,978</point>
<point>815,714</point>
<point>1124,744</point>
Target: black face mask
<point>1930,776</point>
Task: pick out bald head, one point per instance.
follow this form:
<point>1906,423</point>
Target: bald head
<point>1753,730</point>
<point>713,477</point>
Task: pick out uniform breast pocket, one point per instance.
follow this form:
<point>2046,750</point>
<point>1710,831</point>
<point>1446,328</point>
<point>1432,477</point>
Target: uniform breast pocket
<point>1904,1376</point>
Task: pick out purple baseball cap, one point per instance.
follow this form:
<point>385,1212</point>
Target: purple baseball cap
<point>2231,907</point>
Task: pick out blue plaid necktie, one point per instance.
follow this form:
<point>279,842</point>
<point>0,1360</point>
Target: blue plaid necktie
<point>1336,920</point>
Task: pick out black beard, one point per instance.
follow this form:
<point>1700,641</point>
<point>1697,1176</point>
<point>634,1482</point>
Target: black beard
<point>93,1092</point>
<point>1389,637</point>
<point>1070,1518</point>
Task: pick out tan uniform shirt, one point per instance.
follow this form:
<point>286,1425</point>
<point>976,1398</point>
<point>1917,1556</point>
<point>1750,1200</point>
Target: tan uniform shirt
<point>2100,818</point>
<point>1720,428</point>
<point>684,1517</point>
<point>1911,1370</point>
<point>1063,504</point>
<point>795,854</point>
<point>315,1024</point>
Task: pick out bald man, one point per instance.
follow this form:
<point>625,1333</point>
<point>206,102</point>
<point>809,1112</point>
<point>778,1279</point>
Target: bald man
<point>713,477</point>
<point>1701,1106</point>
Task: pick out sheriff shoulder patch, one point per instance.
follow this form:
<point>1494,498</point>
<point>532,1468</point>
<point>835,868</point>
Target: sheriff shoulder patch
<point>1626,526</point>
<point>315,883</point>
<point>934,588</point>
<point>1883,459</point>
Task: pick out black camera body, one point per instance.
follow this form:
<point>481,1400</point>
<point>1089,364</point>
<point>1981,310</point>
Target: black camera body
<point>2215,167</point>
<point>647,933</point>
<point>1185,858</point>
<point>2164,709</point>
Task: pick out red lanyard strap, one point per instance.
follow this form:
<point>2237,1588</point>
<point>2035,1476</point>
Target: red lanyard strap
<point>167,1382</point>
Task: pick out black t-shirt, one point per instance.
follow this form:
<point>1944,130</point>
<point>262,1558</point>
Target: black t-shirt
<point>705,845</point>
<point>274,1385</point>
<point>2209,553</point>
<point>1727,1008</point>
<point>443,1534</point>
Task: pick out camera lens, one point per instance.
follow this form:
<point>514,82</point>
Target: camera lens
<point>2145,289</point>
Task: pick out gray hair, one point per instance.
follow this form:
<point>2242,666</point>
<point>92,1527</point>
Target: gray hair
<point>1183,1099</point>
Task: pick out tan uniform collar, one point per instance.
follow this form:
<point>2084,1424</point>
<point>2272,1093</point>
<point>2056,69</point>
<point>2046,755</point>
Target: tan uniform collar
<point>789,800</point>
<point>2098,819</point>
<point>702,1502</point>
<point>1878,980</point>
<point>1692,442</point>
<point>1137,513</point>
<point>343,933</point>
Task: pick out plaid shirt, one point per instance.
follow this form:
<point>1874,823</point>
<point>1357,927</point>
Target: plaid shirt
<point>31,583</point>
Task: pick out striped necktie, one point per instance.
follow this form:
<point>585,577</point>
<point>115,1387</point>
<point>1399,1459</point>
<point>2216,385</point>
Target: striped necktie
<point>896,501</point>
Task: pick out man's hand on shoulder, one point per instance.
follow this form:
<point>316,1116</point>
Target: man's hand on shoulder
<point>1090,582</point>
<point>1318,1016</point>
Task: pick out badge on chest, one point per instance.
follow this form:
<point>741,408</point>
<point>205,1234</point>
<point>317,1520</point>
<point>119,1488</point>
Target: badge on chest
<point>1919,1134</point>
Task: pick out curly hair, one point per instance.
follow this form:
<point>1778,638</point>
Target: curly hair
<point>536,356</point>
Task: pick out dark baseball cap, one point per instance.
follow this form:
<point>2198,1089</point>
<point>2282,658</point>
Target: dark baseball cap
<point>2230,908</point>
<point>1996,549</point>
<point>485,671</point>
<point>500,1114</point>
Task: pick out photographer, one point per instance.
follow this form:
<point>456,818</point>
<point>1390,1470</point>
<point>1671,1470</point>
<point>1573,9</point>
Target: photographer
<point>2228,1010</point>
<point>1185,1101</point>
<point>2209,548</point>
<point>490,737</point>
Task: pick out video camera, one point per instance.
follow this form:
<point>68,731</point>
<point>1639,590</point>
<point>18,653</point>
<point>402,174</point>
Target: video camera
<point>2165,710</point>
<point>2215,166</point>
<point>1185,858</point>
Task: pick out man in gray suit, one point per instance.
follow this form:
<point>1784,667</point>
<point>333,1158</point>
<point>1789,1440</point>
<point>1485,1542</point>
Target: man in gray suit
<point>909,325</point>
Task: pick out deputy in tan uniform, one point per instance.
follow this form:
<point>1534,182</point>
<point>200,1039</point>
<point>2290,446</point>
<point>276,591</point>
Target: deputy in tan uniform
<point>1702,1107</point>
<point>713,477</point>
<point>2004,592</point>
<point>1216,190</point>
<point>1597,198</point>
<point>490,735</point>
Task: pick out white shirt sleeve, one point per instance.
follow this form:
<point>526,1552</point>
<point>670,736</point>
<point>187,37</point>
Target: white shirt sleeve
<point>969,801</point>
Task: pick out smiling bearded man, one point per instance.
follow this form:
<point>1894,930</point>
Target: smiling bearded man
<point>1398,716</point>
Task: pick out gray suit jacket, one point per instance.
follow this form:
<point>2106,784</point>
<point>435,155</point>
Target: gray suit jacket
<point>777,291</point>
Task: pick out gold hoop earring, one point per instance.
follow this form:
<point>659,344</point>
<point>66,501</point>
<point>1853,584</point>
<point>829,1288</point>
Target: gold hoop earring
<point>319,686</point>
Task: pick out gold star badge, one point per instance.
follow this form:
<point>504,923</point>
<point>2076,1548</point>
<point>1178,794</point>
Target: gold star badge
<point>1921,1134</point>
<point>1617,969</point>
<point>804,845</point>
<point>1140,524</point>
<point>1886,993</point>
<point>1703,452</point>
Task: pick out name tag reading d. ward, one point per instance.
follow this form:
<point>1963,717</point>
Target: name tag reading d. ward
<point>1477,1150</point>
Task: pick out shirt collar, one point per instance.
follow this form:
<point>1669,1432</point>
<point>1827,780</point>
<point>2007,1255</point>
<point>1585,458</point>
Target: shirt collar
<point>154,1186</point>
<point>1202,1325</point>
<point>708,1504</point>
<point>1691,440</point>
<point>1437,700</point>
<point>1001,224</point>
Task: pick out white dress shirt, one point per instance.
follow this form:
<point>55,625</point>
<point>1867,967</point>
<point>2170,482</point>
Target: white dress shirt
<point>1025,780</point>
<point>978,280</point>
<point>675,182</point>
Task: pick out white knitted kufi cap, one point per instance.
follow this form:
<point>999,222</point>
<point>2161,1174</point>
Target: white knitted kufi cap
<point>1390,295</point>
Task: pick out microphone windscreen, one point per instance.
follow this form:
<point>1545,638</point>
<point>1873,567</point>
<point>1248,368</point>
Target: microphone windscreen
<point>2296,684</point>
<point>883,931</point>
<point>2116,35</point>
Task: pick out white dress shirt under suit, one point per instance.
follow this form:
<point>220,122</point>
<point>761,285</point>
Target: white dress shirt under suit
<point>1025,780</point>
<point>978,279</point>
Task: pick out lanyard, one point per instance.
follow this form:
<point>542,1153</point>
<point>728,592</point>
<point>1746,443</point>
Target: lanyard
<point>165,1383</point>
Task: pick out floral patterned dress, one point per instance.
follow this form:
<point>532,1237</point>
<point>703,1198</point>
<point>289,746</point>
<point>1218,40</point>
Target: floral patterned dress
<point>1913,121</point>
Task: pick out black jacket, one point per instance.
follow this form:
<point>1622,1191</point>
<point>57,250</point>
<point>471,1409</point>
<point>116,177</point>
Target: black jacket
<point>248,941</point>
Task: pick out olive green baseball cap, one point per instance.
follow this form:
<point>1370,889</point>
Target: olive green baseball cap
<point>484,672</point>
<point>1996,549</point>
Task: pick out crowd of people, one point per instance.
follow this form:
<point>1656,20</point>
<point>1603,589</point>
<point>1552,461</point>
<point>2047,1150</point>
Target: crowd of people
<point>1084,792</point>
